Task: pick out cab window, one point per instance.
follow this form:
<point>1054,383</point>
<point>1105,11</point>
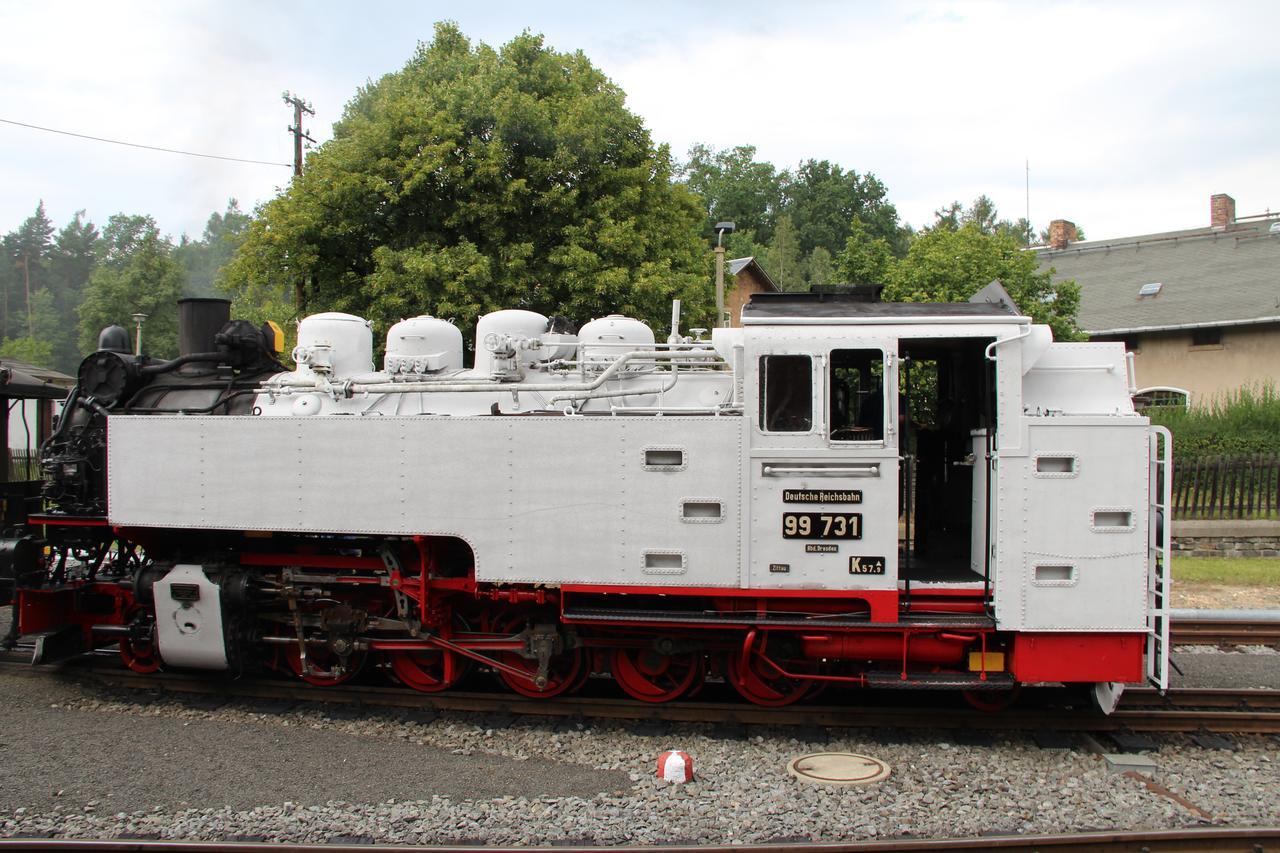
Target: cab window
<point>786,393</point>
<point>857,395</point>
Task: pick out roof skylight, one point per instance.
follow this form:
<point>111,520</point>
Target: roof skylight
<point>1150,289</point>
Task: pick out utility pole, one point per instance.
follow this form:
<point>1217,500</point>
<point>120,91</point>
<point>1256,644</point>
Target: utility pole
<point>138,319</point>
<point>1030,232</point>
<point>299,107</point>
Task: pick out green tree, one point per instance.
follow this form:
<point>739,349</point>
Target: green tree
<point>30,350</point>
<point>74,255</point>
<point>735,187</point>
<point>866,259</point>
<point>819,268</point>
<point>26,268</point>
<point>983,214</point>
<point>782,259</point>
<point>202,259</point>
<point>946,265</point>
<point>476,179</point>
<point>37,347</point>
<point>822,199</point>
<point>137,275</point>
<point>742,244</point>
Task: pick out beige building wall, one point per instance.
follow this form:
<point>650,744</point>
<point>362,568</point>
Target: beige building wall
<point>1247,356</point>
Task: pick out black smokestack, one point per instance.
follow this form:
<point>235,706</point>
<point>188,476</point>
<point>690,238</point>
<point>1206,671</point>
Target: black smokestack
<point>198,321</point>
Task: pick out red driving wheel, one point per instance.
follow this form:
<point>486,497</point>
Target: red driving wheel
<point>563,675</point>
<point>992,700</point>
<point>761,684</point>
<point>324,660</point>
<point>650,676</point>
<point>139,656</point>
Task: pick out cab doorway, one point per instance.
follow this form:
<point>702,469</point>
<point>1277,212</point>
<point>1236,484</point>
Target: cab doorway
<point>946,423</point>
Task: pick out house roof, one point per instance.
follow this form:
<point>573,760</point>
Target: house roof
<point>1208,277</point>
<point>737,265</point>
<point>19,379</point>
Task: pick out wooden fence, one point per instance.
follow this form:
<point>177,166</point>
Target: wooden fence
<point>24,464</point>
<point>1227,487</point>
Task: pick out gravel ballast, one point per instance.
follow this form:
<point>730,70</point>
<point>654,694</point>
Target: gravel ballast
<point>87,763</point>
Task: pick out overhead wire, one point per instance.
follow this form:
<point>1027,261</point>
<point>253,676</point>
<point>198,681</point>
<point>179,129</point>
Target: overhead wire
<point>147,147</point>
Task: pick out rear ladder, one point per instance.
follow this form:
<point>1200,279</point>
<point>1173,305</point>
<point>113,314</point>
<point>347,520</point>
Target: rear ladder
<point>1159,573</point>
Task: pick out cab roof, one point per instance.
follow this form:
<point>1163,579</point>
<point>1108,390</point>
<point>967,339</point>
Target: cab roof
<point>766,307</point>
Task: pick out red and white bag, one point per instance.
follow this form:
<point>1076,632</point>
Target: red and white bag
<point>675,766</point>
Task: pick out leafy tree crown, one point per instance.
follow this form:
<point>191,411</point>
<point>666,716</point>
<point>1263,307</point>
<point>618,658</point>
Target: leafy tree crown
<point>475,179</point>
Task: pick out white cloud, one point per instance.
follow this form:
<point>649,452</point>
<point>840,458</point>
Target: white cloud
<point>1131,114</point>
<point>948,102</point>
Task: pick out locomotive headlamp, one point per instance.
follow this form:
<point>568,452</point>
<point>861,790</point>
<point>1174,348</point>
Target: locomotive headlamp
<point>108,377</point>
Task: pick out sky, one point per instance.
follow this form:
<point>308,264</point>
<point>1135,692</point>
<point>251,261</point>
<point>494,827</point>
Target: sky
<point>1130,115</point>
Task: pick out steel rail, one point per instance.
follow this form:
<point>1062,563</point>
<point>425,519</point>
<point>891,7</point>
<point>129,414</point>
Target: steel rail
<point>1205,839</point>
<point>1238,713</point>
<point>1256,699</point>
<point>1199,632</point>
<point>1182,709</point>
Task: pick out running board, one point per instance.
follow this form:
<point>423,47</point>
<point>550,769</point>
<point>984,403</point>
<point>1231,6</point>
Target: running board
<point>940,681</point>
<point>750,619</point>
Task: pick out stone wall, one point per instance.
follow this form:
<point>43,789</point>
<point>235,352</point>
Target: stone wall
<point>1226,538</point>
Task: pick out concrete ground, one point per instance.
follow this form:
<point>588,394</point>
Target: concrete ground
<point>53,754</point>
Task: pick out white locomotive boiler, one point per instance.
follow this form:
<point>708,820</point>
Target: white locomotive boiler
<point>840,491</point>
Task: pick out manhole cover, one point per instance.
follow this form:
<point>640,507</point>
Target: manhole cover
<point>838,768</point>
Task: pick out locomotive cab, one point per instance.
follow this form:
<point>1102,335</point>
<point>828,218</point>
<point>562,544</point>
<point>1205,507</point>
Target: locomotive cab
<point>915,456</point>
<point>865,431</point>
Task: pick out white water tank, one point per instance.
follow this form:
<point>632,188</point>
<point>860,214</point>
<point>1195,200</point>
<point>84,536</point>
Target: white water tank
<point>512,322</point>
<point>335,344</point>
<point>606,338</point>
<point>423,345</point>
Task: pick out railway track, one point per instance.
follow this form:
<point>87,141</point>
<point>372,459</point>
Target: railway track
<point>1142,709</point>
<point>1179,710</point>
<point>1202,697</point>
<point>1205,840</point>
<point>1188,710</point>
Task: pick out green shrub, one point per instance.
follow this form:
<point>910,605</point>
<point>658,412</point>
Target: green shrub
<point>1237,423</point>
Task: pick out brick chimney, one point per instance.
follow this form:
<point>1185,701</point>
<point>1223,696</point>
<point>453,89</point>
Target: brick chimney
<point>1222,211</point>
<point>1061,232</point>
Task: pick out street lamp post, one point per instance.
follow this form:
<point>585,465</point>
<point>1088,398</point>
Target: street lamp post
<point>721,229</point>
<point>137,319</point>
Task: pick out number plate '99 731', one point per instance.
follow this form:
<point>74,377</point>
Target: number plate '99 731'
<point>821,525</point>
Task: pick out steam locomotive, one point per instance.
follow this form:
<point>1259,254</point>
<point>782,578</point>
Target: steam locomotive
<point>838,491</point>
